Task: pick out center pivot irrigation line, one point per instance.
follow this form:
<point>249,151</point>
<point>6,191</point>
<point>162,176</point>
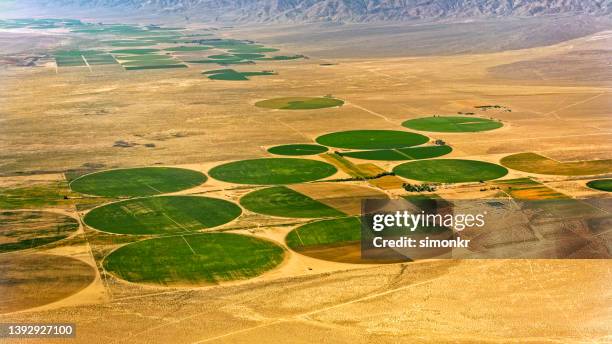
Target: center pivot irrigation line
<point>178,224</point>
<point>404,154</point>
<point>187,242</point>
<point>152,188</point>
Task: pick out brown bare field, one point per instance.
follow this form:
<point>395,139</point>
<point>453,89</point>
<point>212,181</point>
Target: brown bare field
<point>34,280</point>
<point>73,117</point>
<point>344,197</point>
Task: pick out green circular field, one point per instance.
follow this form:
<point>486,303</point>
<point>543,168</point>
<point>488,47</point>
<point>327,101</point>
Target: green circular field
<point>452,124</point>
<point>298,149</point>
<point>601,184</point>
<point>191,260</point>
<point>450,170</point>
<point>410,153</point>
<point>325,232</point>
<point>271,171</point>
<point>372,139</point>
<point>20,230</point>
<point>283,202</point>
<point>299,103</point>
<point>132,182</point>
<point>162,215</point>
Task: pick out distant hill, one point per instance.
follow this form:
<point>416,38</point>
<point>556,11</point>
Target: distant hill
<point>347,10</point>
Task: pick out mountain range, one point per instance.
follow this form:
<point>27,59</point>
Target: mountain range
<point>345,10</point>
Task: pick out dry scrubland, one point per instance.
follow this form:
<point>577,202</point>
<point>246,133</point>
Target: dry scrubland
<point>70,120</point>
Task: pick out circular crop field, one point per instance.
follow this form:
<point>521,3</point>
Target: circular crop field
<point>372,139</point>
<point>21,230</point>
<point>272,171</point>
<point>336,240</point>
<point>299,103</point>
<point>410,153</point>
<point>298,149</point>
<point>162,215</point>
<point>192,260</point>
<point>452,124</point>
<point>325,232</point>
<point>132,182</point>
<point>284,202</point>
<point>34,280</point>
<point>450,170</point>
<point>601,184</point>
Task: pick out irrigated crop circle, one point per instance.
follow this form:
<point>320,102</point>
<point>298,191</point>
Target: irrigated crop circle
<point>336,240</point>
<point>271,171</point>
<point>601,184</point>
<point>284,202</point>
<point>132,182</point>
<point>298,149</point>
<point>372,139</point>
<point>410,153</point>
<point>162,215</point>
<point>20,230</point>
<point>450,170</point>
<point>452,124</point>
<point>300,103</point>
<point>192,260</point>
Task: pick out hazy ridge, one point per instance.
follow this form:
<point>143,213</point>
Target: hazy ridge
<point>346,10</point>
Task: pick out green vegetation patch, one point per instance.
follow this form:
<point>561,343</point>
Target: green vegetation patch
<point>281,58</point>
<point>142,63</point>
<point>162,215</point>
<point>372,139</point>
<point>535,163</point>
<point>222,43</point>
<point>528,189</point>
<point>249,56</point>
<point>34,196</point>
<point>21,230</point>
<point>159,66</point>
<point>297,149</point>
<point>452,124</point>
<point>410,153</point>
<point>225,59</point>
<point>164,39</point>
<point>194,259</point>
<point>77,58</point>
<point>450,170</point>
<point>300,103</point>
<point>188,48</point>
<point>601,184</point>
<point>252,48</point>
<point>135,51</point>
<point>233,75</point>
<point>223,62</point>
<point>325,232</point>
<point>283,202</point>
<point>128,43</point>
<point>271,171</point>
<point>144,58</point>
<point>132,182</point>
<point>150,61</point>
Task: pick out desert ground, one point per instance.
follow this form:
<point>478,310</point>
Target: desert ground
<point>59,123</point>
